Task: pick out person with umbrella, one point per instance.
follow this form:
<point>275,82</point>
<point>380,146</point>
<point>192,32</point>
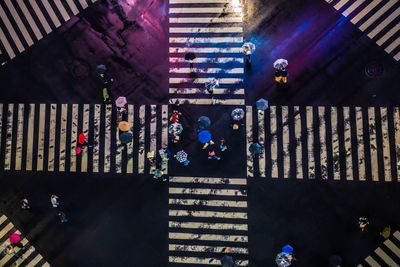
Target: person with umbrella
<point>182,157</point>
<point>190,56</point>
<point>285,257</point>
<point>203,122</point>
<point>261,105</point>
<point>255,148</point>
<point>15,240</point>
<point>237,115</point>
<point>280,70</point>
<point>204,137</point>
<point>175,129</point>
<point>211,84</point>
<point>227,261</point>
<point>248,48</point>
<point>212,154</point>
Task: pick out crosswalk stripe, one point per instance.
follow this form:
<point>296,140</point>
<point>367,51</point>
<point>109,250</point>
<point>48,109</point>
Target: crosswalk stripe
<point>216,91</point>
<point>20,135</point>
<point>6,44</point>
<point>365,11</point>
<point>360,144</point>
<point>274,142</point>
<point>206,30</point>
<point>231,50</point>
<point>40,148</point>
<point>298,137</point>
<point>340,4</point>
<point>393,46</point>
<point>322,141</point>
<point>131,115</point>
<point>208,70</point>
<point>397,56</point>
<point>207,180</point>
<point>142,114</point>
<point>207,249</point>
<point>286,140</point>
<point>206,191</point>
<point>63,137</point>
<point>208,214</point>
<point>384,23</point>
<point>51,13</point>
<point>61,9</point>
<point>29,145</point>
<point>19,22</point>
<point>208,60</point>
<point>396,116</point>
<point>395,249</point>
<point>388,35</point>
<point>197,40</point>
<point>3,218</point>
<point>261,141</point>
<point>118,154</point>
<point>351,8</point>
<point>107,138</point>
<point>8,257</point>
<point>372,262</point>
<point>335,144</point>
<point>203,101</point>
<point>11,30</point>
<point>83,4</point>
<point>85,130</point>
<point>373,144</point>
<point>249,140</point>
<point>96,139</point>
<point>386,145</point>
<point>6,229</point>
<point>206,20</point>
<point>34,261</point>
<point>347,143</point>
<point>208,237</point>
<point>385,257</point>
<point>52,136</point>
<point>10,117</point>
<point>397,235</point>
<point>73,7</point>
<point>208,203</point>
<point>310,142</point>
<point>205,261</point>
<point>199,1</point>
<point>153,131</point>
<point>377,15</point>
<point>210,10</point>
<point>74,137</point>
<point>40,16</point>
<point>164,135</point>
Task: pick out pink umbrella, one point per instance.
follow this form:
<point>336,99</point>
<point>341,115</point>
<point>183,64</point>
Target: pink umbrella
<point>15,238</point>
<point>121,101</point>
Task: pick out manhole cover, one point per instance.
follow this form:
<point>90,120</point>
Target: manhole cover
<point>374,69</point>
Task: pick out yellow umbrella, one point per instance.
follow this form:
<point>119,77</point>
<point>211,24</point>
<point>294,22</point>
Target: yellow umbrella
<point>123,126</point>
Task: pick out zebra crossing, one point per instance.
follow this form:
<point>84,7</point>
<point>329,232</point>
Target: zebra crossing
<point>213,31</point>
<point>23,23</point>
<point>207,218</point>
<point>379,19</point>
<point>386,255</point>
<point>28,257</point>
<point>325,142</point>
<point>43,137</point>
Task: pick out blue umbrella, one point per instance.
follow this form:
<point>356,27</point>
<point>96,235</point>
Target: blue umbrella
<point>203,122</point>
<point>126,137</point>
<point>262,104</point>
<point>287,249</point>
<point>204,136</point>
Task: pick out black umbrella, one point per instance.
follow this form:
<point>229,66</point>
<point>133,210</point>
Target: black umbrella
<point>190,56</point>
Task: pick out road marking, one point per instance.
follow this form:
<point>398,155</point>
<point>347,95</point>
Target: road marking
<point>153,133</point>
<point>1,126</point>
<point>197,40</point>
<point>61,9</point>
<point>206,191</point>
<point>340,4</point>
<point>85,130</point>
<point>231,50</point>
<point>335,144</point>
<point>209,10</point>
<point>261,141</point>
<point>386,145</point>
<point>5,230</point>
<point>63,137</point>
<point>298,137</point>
<point>274,142</point>
<point>207,203</point>
<point>205,261</point>
<point>129,147</point>
<point>206,30</point>
<point>385,257</point>
<point>40,16</point>
<point>388,35</point>
<point>286,142</point>
<point>207,20</point>
<point>373,144</point>
<point>360,144</point>
<point>72,6</point>
<point>365,11</point>
<point>83,4</point>
<point>395,249</point>
<point>52,137</point>
<point>40,149</point>
<point>6,44</point>
<point>201,101</point>
<point>35,261</point>
<point>222,60</point>
<point>208,237</point>
<point>31,130</point>
<point>9,141</point>
<point>164,135</point>
<point>107,139</point>
<point>142,132</point>
<point>11,30</point>
<point>20,135</point>
<point>207,249</point>
<point>204,80</point>
<point>322,141</point>
<point>208,214</point>
<point>216,91</point>
<point>249,140</point>
<point>351,8</point>
<point>384,23</point>
<point>19,22</point>
<point>208,180</point>
<point>347,143</point>
<point>96,139</point>
<point>208,70</point>
<point>372,262</point>
<point>310,142</point>
<point>377,15</point>
<point>199,1</point>
<point>51,13</point>
<point>393,46</point>
<point>74,137</point>
<point>396,116</point>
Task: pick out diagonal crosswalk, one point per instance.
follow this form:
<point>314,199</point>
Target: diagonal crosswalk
<point>23,23</point>
<point>43,137</point>
<point>207,218</point>
<point>388,254</point>
<point>379,19</point>
<point>28,256</point>
<point>213,30</point>
<point>337,143</point>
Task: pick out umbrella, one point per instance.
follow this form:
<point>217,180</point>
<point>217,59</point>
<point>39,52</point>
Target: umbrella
<point>335,261</point>
<point>15,238</point>
<point>81,138</point>
<point>203,122</point>
<point>212,83</point>
<point>126,137</point>
<point>255,148</point>
<point>190,56</point>
<point>281,63</point>
<point>175,128</point>
<point>100,69</point>
<point>287,249</point>
<point>227,261</point>
<point>237,114</point>
<point>204,136</point>
<point>181,156</point>
<point>248,48</point>
<point>121,101</point>
<point>123,126</point>
<point>262,104</point>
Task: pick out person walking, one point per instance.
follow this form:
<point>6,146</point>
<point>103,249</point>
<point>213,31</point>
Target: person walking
<point>222,145</point>
<point>63,217</point>
<point>54,201</point>
<point>25,204</point>
<point>227,261</point>
<point>212,154</point>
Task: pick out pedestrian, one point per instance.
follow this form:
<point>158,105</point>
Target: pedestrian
<point>385,233</point>
<point>151,157</point>
<point>175,116</point>
<point>222,145</point>
<point>25,204</point>
<point>63,217</point>
<point>248,48</point>
<point>164,154</point>
<point>106,95</point>
<point>362,223</point>
<point>11,251</point>
<point>54,201</point>
<point>212,154</point>
<point>281,75</point>
<point>227,261</point>
<point>157,174</point>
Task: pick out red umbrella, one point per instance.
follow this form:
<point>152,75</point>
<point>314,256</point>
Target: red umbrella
<point>81,138</point>
<point>15,238</point>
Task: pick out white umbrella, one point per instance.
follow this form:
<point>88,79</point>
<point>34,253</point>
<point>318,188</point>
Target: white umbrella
<point>237,114</point>
<point>212,83</point>
<point>281,63</point>
<point>248,48</point>
<point>121,101</point>
<point>175,128</point>
<point>181,156</point>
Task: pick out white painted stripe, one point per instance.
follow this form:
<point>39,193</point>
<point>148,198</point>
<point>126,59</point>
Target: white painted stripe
<point>51,13</point>
<point>6,229</point>
<point>208,70</point>
<point>52,137</point>
<point>40,16</point>
<point>35,261</point>
<point>208,203</point>
<point>210,10</point>
<point>74,136</point>
<point>199,1</point>
<point>129,167</point>
<point>377,15</point>
<point>386,145</point>
<point>11,30</point>
<point>351,8</point>
<point>164,135</point>
<point>20,135</point>
<point>233,50</point>
<point>384,23</point>
<point>62,10</point>
<point>6,44</point>
<point>340,4</point>
<point>19,22</point>
<point>118,153</point>
<point>397,56</point>
<point>396,117</point>
<point>347,143</point>
<point>322,141</point>
<point>205,261</point>
<point>206,20</point>
<point>388,35</point>
<point>261,141</point>
<point>199,40</point>
<point>206,30</point>
<point>360,144</point>
<point>397,235</point>
<point>201,101</point>
<point>83,4</point>
<point>96,139</point>
<point>373,144</point>
<point>299,147</point>
<point>48,265</point>
<point>206,191</point>
<point>310,142</point>
<point>153,133</point>
<point>208,60</point>
<point>73,7</point>
<point>63,137</point>
<point>286,140</point>
<point>249,140</point>
<point>395,249</point>
<point>208,180</point>
<point>274,142</point>
<point>142,134</point>
<point>393,46</point>
<point>10,118</point>
<point>216,91</point>
<point>3,218</point>
<point>207,249</point>
<point>385,257</point>
<point>25,256</point>
<point>31,130</point>
<point>208,214</point>
<point>365,11</point>
<point>40,148</point>
<point>85,130</point>
<point>107,138</point>
<point>208,237</point>
<point>372,262</point>
<point>335,144</point>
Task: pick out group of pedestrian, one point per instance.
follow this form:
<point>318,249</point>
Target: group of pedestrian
<point>54,203</point>
<point>106,80</point>
<point>14,246</point>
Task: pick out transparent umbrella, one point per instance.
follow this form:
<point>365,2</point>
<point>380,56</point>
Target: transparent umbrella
<point>175,128</point>
<point>281,63</point>
<point>262,104</point>
<point>248,48</point>
<point>237,114</point>
<point>121,101</point>
<point>181,156</point>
